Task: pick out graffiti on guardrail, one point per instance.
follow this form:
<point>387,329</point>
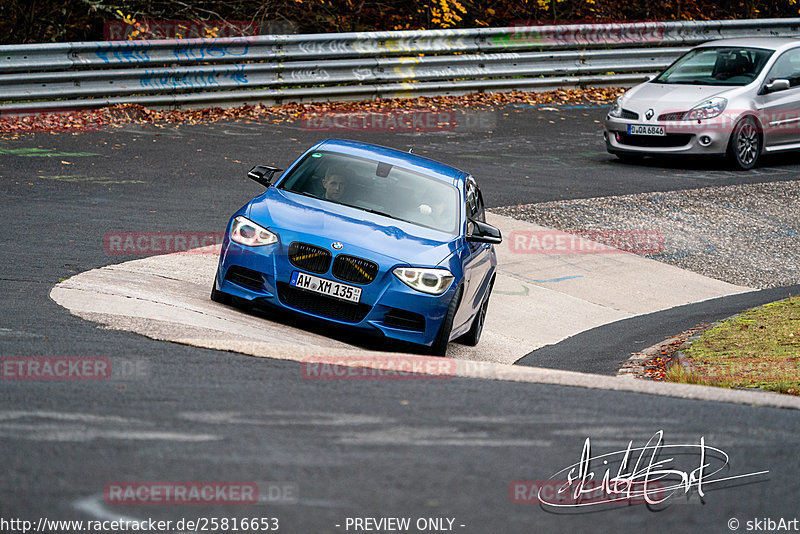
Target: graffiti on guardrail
<point>410,72</point>
<point>330,47</point>
<point>307,74</point>
<point>178,82</point>
<point>365,64</point>
<point>156,79</point>
<point>585,34</point>
<point>238,48</point>
<point>122,55</point>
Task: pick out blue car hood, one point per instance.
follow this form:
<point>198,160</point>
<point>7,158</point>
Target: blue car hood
<point>404,242</point>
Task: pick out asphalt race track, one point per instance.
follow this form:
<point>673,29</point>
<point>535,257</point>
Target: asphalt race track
<point>323,451</point>
<point>602,350</point>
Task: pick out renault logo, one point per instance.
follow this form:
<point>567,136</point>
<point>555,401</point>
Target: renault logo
<point>336,246</point>
<point>649,114</point>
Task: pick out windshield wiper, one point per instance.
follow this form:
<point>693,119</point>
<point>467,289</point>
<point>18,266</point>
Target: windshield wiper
<point>690,82</point>
<point>370,210</point>
<point>376,212</point>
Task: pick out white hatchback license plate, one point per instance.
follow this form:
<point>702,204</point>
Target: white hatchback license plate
<point>325,287</point>
<point>646,129</point>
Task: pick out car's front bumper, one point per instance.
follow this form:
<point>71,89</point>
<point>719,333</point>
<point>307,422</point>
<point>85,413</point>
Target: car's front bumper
<point>707,137</point>
<point>387,307</point>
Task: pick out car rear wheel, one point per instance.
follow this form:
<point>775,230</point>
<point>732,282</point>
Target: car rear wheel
<point>744,146</point>
<point>473,336</point>
<point>439,347</point>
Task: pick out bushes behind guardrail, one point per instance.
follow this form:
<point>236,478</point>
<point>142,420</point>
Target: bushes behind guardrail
<point>22,21</point>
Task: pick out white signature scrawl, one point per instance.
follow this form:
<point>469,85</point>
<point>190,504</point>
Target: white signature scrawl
<point>642,475</point>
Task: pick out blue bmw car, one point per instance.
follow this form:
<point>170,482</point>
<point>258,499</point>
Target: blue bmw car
<point>366,237</point>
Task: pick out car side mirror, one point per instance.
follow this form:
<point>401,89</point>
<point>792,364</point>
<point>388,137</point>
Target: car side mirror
<point>777,85</point>
<point>263,174</point>
<point>480,232</point>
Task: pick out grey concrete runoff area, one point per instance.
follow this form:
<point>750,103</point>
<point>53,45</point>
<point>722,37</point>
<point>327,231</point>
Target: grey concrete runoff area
<point>538,300</point>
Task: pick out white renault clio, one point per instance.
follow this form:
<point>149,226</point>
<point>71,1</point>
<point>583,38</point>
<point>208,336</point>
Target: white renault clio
<point>736,98</point>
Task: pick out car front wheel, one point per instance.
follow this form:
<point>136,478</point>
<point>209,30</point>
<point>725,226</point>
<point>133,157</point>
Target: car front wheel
<point>629,157</point>
<point>473,336</point>
<point>439,347</point>
<point>744,146</point>
<point>218,296</point>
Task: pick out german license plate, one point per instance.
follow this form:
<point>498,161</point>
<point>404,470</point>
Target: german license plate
<point>325,287</point>
<point>645,129</point>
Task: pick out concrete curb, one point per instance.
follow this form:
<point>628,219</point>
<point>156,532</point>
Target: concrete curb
<point>167,298</point>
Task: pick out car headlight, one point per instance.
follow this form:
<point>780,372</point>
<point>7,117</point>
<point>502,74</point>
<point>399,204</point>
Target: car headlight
<point>616,109</point>
<point>708,109</point>
<point>433,281</point>
<point>246,232</point>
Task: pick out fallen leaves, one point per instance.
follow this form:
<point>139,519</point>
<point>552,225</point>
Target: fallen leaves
<point>54,122</point>
<point>93,119</point>
<point>656,367</point>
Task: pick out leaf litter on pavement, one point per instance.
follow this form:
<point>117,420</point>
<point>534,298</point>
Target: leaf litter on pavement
<point>81,120</point>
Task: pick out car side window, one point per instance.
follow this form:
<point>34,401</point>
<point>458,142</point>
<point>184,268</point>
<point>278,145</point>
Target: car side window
<point>481,215</point>
<point>787,67</point>
<point>475,207</point>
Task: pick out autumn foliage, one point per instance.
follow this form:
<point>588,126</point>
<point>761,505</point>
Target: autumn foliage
<point>27,21</point>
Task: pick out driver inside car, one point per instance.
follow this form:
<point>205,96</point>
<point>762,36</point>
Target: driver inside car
<point>334,184</point>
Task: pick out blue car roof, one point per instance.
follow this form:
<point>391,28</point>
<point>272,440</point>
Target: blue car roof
<point>393,156</point>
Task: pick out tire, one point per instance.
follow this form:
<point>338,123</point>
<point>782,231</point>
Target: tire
<point>219,296</point>
<point>439,347</point>
<point>628,157</point>
<point>473,336</point>
<point>744,146</point>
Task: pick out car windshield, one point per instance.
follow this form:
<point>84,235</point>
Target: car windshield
<point>376,187</point>
<point>716,66</point>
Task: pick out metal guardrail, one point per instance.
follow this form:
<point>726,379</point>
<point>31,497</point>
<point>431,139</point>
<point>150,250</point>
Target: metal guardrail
<point>276,68</point>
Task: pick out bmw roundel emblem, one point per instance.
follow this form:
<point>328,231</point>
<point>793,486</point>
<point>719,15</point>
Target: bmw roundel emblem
<point>336,245</point>
<point>649,114</point>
